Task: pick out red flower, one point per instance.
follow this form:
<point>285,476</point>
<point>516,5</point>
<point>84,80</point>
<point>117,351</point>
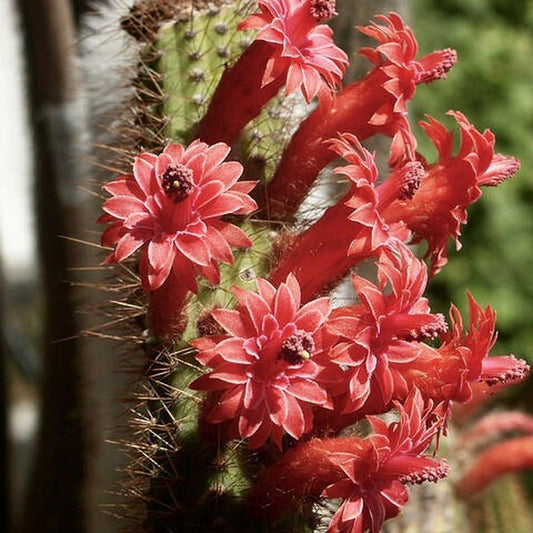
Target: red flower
<point>462,360</point>
<point>438,208</point>
<point>289,49</point>
<point>170,207</point>
<point>369,474</point>
<point>373,488</point>
<point>267,366</point>
<point>395,56</point>
<point>377,335</point>
<point>353,229</point>
<point>512,455</point>
<point>375,104</point>
<point>303,49</point>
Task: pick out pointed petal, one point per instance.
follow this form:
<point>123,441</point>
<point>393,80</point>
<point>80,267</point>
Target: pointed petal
<point>308,391</point>
<point>231,321</point>
<point>194,249</point>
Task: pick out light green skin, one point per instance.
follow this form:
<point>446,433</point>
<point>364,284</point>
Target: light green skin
<point>192,59</point>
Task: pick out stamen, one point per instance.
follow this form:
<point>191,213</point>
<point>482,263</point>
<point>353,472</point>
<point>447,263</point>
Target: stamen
<point>177,182</point>
<point>297,348</point>
<point>322,9</point>
<point>501,168</point>
<point>428,331</point>
<point>437,64</point>
<point>402,184</point>
<point>502,369</point>
<point>208,326</point>
<point>431,474</point>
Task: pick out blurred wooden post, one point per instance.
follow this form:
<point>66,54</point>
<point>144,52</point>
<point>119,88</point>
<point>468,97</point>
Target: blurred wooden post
<point>53,501</point>
<point>5,500</point>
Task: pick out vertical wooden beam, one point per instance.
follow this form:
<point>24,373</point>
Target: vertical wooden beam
<point>53,502</point>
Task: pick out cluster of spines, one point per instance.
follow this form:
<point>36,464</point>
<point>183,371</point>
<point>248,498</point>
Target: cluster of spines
<point>164,413</point>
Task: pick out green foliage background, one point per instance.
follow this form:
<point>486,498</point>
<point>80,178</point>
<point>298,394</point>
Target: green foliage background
<point>492,84</point>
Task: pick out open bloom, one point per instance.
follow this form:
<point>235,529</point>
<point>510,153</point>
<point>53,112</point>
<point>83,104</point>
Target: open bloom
<point>267,366</point>
<point>302,49</point>
<point>171,208</point>
<point>395,58</point>
<point>377,335</point>
<point>438,208</point>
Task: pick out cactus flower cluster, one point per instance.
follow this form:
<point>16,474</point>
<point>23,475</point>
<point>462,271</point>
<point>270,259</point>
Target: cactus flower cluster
<point>281,369</point>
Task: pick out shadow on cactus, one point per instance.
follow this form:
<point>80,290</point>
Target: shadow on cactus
<point>261,403</point>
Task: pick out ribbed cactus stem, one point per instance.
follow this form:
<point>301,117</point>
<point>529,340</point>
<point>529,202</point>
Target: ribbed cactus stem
<point>193,55</point>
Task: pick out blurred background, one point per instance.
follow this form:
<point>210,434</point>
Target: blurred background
<point>47,424</point>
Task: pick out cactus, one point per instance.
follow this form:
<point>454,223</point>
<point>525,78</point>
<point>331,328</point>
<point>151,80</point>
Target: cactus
<point>258,393</point>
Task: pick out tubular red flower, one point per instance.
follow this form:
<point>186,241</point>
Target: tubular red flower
<point>438,208</point>
<point>447,373</point>
<point>352,230</point>
<point>269,367</point>
<point>302,49</point>
<point>376,104</point>
<point>373,489</point>
<point>290,48</point>
<point>376,335</point>
<point>512,455</point>
<point>369,474</point>
<point>170,208</point>
<point>494,425</point>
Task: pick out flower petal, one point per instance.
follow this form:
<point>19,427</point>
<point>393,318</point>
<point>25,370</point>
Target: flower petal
<point>194,249</point>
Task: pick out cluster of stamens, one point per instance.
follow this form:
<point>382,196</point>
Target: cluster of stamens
<point>437,64</point>
<point>515,373</point>
<point>429,331</point>
<point>177,182</point>
<point>429,474</point>
<point>412,175</point>
<point>297,348</point>
<point>322,9</point>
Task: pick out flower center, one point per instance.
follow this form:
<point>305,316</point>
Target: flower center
<point>297,348</point>
<point>177,182</point>
<point>322,9</point>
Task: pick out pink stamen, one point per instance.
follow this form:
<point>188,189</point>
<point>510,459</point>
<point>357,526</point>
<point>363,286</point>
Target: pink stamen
<point>502,369</point>
<point>402,184</point>
<point>177,182</point>
<point>437,64</point>
<point>297,348</point>
<point>322,9</point>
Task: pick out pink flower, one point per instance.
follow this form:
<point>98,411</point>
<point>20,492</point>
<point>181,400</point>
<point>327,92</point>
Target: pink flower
<point>170,208</point>
<point>500,459</point>
<point>395,56</point>
<point>377,335</point>
<point>373,488</point>
<point>289,49</point>
<point>303,49</point>
<point>267,365</point>
<point>438,208</point>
